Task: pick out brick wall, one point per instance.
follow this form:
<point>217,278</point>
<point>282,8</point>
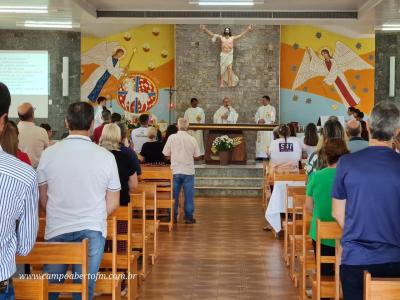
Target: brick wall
<point>386,45</point>
<point>256,62</point>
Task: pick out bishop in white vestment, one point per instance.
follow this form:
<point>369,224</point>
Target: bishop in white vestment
<point>226,114</point>
<point>195,115</point>
<point>266,114</point>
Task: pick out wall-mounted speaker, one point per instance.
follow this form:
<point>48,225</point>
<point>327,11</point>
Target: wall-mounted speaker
<point>392,76</point>
<point>65,76</point>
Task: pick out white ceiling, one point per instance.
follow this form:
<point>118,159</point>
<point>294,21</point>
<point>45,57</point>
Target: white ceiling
<point>268,5</point>
<point>371,13</point>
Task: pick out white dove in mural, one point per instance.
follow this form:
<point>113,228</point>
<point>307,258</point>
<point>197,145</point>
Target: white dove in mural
<point>332,68</point>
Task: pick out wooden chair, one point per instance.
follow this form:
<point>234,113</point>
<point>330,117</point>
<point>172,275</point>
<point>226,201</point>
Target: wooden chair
<point>127,259</point>
<point>140,237</point>
<point>152,224</point>
<point>58,253</point>
<point>163,178</point>
<point>266,194</point>
<point>295,235</point>
<point>42,228</point>
<point>287,224</point>
<point>381,288</point>
<point>307,257</point>
<point>327,286</point>
<point>111,284</point>
<point>31,289</point>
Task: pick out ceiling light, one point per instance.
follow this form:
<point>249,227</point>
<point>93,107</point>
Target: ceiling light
<point>24,9</point>
<point>48,24</point>
<point>390,28</point>
<point>226,3</point>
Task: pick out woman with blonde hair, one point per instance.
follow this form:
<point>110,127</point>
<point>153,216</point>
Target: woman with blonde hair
<point>110,139</point>
<point>151,152</point>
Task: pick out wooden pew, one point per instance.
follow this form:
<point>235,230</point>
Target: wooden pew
<point>307,257</point>
<point>112,284</point>
<point>127,260</point>
<point>163,178</point>
<point>327,286</point>
<point>295,235</point>
<point>291,191</point>
<point>58,253</point>
<point>31,289</point>
<point>381,288</point>
<point>152,224</point>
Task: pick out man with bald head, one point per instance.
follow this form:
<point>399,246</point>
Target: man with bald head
<point>226,114</point>
<point>32,139</point>
<point>356,142</point>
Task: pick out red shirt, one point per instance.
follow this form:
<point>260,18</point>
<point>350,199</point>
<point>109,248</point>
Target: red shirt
<point>97,133</point>
<point>23,157</point>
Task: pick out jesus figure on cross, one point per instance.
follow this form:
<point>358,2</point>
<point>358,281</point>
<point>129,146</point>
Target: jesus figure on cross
<point>227,42</point>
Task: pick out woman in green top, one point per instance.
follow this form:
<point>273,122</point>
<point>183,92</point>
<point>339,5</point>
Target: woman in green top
<point>319,196</point>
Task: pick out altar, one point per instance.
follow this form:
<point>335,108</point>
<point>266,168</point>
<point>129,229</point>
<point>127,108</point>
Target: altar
<point>234,131</point>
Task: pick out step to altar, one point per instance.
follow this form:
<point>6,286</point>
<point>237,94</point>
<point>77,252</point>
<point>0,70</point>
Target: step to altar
<point>229,181</point>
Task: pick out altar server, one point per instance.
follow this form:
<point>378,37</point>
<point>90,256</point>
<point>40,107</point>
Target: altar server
<point>195,115</point>
<point>226,114</point>
<point>266,114</point>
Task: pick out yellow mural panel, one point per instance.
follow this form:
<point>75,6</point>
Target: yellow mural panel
<point>323,72</point>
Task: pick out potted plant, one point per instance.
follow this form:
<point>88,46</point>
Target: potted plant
<point>223,145</point>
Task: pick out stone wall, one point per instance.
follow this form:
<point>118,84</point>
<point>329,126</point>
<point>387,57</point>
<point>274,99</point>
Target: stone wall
<point>256,62</point>
<point>58,44</point>
<point>386,45</point>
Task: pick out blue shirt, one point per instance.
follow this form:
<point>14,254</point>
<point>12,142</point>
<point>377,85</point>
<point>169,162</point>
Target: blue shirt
<point>369,181</point>
<point>356,144</point>
<point>19,222</point>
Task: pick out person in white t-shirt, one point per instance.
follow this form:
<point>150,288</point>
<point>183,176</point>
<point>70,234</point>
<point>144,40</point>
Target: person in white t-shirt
<point>79,187</point>
<point>285,151</point>
<point>140,135</point>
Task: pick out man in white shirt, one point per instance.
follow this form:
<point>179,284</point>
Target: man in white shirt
<point>266,114</point>
<point>195,115</point>
<point>139,135</point>
<point>226,114</point>
<point>79,187</point>
<point>183,149</point>
<point>32,139</point>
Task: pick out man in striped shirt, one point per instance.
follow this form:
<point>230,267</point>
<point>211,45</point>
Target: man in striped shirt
<point>18,207</point>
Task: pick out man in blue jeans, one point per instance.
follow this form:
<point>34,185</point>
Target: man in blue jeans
<point>78,186</point>
<point>366,204</point>
<point>182,148</point>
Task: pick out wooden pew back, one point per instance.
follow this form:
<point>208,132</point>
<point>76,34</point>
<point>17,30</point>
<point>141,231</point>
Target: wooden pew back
<point>60,253</point>
<point>381,288</point>
<point>328,230</point>
<point>111,285</point>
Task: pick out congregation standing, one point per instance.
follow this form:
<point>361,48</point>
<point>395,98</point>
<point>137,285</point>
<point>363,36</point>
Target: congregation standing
<point>344,165</point>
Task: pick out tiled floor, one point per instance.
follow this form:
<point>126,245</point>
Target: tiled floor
<point>226,255</point>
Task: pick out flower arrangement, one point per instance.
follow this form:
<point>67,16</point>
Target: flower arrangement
<point>222,143</point>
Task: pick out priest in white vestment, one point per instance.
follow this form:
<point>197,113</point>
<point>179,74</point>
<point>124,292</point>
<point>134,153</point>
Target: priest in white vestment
<point>266,114</point>
<point>195,115</point>
<point>226,114</point>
